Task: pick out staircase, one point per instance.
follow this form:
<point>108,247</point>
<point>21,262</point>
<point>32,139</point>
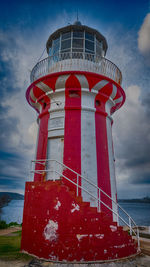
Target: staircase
<point>66,228</point>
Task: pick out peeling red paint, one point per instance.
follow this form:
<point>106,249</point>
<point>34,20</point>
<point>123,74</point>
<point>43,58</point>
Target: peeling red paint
<point>82,235</point>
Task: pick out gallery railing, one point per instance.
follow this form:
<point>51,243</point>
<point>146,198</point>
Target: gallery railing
<point>78,61</point>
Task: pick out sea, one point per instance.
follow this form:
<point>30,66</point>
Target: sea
<point>140,212</point>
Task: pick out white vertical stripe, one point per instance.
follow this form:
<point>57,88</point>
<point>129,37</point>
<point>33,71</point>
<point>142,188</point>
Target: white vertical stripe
<point>56,126</point>
<point>55,145</point>
<point>111,159</point>
<point>88,145</point>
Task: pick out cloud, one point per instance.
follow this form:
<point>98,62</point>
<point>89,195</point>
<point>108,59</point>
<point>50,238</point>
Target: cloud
<point>143,178</point>
<point>14,171</point>
<point>146,103</point>
<point>132,140</point>
<point>144,38</point>
<point>17,57</point>
<point>131,128</point>
<point>19,52</point>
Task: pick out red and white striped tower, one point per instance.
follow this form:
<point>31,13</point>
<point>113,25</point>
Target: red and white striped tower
<point>75,91</point>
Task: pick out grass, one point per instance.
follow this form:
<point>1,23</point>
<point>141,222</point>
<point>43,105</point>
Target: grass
<point>10,248</point>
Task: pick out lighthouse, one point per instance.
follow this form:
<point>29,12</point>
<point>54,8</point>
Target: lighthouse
<point>70,210</point>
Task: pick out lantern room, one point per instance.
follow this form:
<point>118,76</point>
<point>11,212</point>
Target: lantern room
<point>76,39</point>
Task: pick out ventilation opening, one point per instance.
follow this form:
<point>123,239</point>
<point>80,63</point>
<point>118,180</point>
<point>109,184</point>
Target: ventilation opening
<point>44,105</point>
<point>97,103</point>
<point>73,93</point>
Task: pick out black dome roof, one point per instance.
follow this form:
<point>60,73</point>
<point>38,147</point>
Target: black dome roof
<point>77,22</point>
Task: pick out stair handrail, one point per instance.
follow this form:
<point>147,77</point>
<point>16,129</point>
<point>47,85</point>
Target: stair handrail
<point>89,193</point>
<point>87,180</point>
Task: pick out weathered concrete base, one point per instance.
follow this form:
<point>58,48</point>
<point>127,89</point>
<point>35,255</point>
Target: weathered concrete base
<point>59,226</point>
<point>138,261</point>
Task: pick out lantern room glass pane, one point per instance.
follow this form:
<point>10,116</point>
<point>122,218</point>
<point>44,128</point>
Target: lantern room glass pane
<point>99,43</point>
<point>89,45</point>
<point>56,46</point>
<point>66,35</point>
<point>89,51</point>
<point>89,36</point>
<point>55,49</point>
<point>77,43</point>
<point>99,47</point>
<point>56,41</point>
<point>66,44</point>
<point>50,51</point>
<point>98,50</point>
<point>78,34</point>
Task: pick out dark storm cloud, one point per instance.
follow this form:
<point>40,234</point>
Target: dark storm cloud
<point>137,161</point>
<point>135,149</point>
<point>146,104</point>
<point>137,152</point>
<point>12,161</point>
<point>9,128</point>
<point>135,157</point>
<point>132,142</point>
<point>141,178</point>
<point>14,171</point>
<point>12,184</point>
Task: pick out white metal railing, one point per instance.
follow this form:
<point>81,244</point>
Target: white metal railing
<point>58,168</point>
<point>77,61</point>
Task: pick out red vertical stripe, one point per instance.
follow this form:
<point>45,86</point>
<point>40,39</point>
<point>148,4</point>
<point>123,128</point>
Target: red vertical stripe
<point>72,131</point>
<point>103,174</point>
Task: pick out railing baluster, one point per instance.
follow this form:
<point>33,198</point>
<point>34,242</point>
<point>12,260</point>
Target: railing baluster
<point>117,215</point>
<point>130,225</point>
<point>138,238</point>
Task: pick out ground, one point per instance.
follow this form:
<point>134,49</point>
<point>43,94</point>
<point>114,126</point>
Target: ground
<point>141,260</point>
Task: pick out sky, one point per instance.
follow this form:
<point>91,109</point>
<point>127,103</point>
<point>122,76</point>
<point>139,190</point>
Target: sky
<point>24,29</point>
